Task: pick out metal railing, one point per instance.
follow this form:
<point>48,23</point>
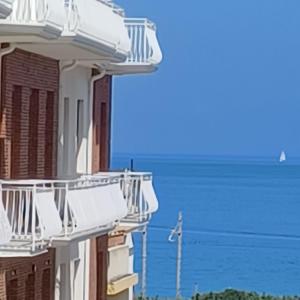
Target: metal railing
<point>144,47</point>
<point>41,211</point>
<point>116,8</point>
<point>132,185</point>
<point>29,11</point>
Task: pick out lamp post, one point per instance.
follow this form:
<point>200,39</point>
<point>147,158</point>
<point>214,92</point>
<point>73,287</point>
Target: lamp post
<point>177,232</point>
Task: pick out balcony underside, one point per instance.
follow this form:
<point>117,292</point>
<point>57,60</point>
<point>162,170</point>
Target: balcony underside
<point>24,248</point>
<point>68,51</point>
<point>132,68</point>
<point>34,32</point>
<point>66,239</point>
<point>20,248</point>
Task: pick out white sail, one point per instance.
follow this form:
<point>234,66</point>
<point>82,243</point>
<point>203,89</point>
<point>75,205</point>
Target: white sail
<point>282,157</point>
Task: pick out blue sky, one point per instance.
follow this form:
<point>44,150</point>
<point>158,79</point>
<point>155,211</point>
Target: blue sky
<point>229,83</point>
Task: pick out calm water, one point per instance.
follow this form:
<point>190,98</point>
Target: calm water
<point>241,224</point>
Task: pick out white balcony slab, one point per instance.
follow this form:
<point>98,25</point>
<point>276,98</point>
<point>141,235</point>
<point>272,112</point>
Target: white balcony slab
<point>5,8</point>
<point>97,26</point>
<point>90,31</point>
<point>33,21</point>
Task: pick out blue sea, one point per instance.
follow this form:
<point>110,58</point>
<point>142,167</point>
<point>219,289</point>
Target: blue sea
<point>241,223</point>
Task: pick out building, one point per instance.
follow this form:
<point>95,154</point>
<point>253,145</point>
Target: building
<point>66,219</point>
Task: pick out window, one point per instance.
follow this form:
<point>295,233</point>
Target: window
<point>33,134</point>
<point>16,132</point>
<point>80,123</point>
<point>66,135</point>
<point>49,136</point>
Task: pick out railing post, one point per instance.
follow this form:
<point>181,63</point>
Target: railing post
<point>1,193</point>
<point>33,218</point>
<point>142,210</point>
<point>126,188</point>
<point>33,11</point>
<point>145,42</point>
<point>66,221</point>
<point>144,263</point>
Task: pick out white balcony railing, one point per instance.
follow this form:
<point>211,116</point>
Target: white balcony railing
<point>116,8</point>
<point>124,45</point>
<point>5,8</point>
<point>140,196</point>
<point>39,212</point>
<point>144,44</point>
<point>145,53</point>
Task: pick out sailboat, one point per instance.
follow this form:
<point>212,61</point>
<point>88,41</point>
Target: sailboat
<point>282,157</point>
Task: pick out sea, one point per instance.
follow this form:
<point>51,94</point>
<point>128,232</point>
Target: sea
<point>241,224</point>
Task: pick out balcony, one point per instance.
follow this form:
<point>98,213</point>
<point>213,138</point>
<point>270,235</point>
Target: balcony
<point>33,20</point>
<point>5,8</point>
<point>97,25</point>
<point>139,193</point>
<point>87,30</point>
<point>37,214</point>
<point>145,54</point>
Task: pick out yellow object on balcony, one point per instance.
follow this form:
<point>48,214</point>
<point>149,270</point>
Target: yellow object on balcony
<point>121,284</point>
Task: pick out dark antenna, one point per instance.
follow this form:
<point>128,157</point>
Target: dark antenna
<point>131,165</point>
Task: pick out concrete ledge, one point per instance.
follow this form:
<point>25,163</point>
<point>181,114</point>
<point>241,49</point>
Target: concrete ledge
<point>121,284</point>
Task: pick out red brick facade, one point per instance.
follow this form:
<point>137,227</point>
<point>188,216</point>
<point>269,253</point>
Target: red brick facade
<point>28,139</point>
<point>28,278</point>
<point>98,268</point>
<point>102,124</point>
<point>28,150</point>
<point>28,116</point>
<point>100,162</point>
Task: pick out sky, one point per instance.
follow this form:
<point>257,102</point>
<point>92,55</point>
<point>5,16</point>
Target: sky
<point>229,83</point>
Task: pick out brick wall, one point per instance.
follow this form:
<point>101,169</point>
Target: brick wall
<point>100,162</point>
<point>102,124</point>
<point>29,278</point>
<point>99,268</point>
<point>28,116</point>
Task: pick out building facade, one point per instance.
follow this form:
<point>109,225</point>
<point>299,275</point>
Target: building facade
<point>66,219</point>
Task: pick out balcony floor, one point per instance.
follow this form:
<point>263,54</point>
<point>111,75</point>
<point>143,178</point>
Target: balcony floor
<point>22,249</point>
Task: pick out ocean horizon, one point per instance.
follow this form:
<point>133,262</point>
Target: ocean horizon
<point>241,222</point>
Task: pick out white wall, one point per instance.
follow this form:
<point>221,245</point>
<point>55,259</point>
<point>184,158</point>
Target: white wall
<point>118,263</point>
<point>74,86</point>
<point>129,243</point>
<point>121,262</point>
<point>72,271</point>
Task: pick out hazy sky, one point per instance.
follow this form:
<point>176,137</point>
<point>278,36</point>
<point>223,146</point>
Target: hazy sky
<point>229,83</point>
